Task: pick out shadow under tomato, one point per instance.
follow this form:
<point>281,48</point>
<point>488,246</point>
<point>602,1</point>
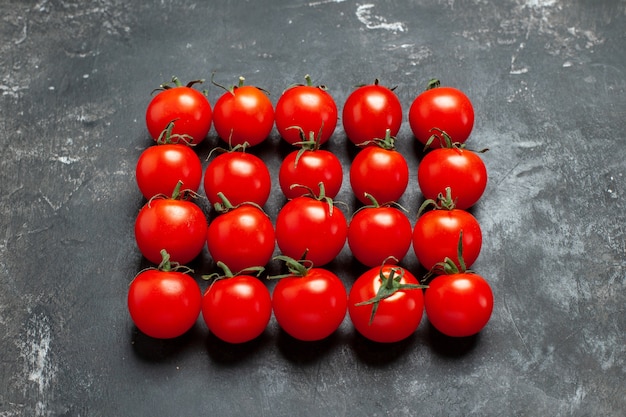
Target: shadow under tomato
<point>156,350</point>
<point>225,353</point>
<point>299,351</point>
<point>381,354</point>
<point>451,347</point>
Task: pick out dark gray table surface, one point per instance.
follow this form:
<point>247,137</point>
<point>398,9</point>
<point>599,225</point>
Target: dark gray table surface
<point>548,82</point>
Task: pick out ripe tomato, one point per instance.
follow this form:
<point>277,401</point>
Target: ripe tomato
<point>241,237</point>
<point>236,308</point>
<point>187,107</point>
<point>164,303</point>
<point>386,304</point>
<point>377,233</point>
<point>240,176</point>
<point>179,226</point>
<point>444,108</point>
<point>459,304</point>
<point>160,168</point>
<point>369,111</point>
<point>243,114</point>
<point>462,170</point>
<point>380,171</point>
<point>309,166</point>
<point>310,225</point>
<point>308,107</point>
<point>436,237</point>
<point>310,303</point>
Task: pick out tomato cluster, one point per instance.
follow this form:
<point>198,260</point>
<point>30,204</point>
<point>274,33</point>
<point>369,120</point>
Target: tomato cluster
<point>309,302</point>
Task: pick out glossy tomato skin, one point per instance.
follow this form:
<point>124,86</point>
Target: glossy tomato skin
<point>242,177</point>
<point>187,107</point>
<point>307,224</point>
<point>160,167</point>
<point>397,316</point>
<point>460,169</point>
<point>459,305</point>
<point>445,108</point>
<point>436,236</point>
<point>178,226</point>
<point>311,168</point>
<point>312,307</point>
<point>377,233</point>
<point>244,115</point>
<point>241,238</point>
<point>382,173</point>
<point>237,309</point>
<point>369,111</point>
<point>308,107</point>
<point>164,304</point>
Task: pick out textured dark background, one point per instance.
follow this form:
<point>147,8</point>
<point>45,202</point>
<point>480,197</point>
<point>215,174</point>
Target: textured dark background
<point>548,82</point>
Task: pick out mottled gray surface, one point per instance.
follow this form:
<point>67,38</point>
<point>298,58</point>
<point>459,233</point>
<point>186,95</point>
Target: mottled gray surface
<point>548,81</point>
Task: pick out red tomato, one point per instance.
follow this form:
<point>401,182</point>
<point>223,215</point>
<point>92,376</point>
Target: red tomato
<point>310,305</point>
<point>313,226</point>
<point>436,237</point>
<point>444,108</point>
<point>237,308</point>
<point>459,304</point>
<point>377,233</point>
<point>187,107</point>
<point>462,170</point>
<point>369,111</point>
<point>240,176</point>
<point>308,107</point>
<point>386,304</point>
<point>160,168</point>
<point>176,225</point>
<point>242,237</point>
<point>308,167</point>
<point>164,303</point>
<point>380,171</point>
<point>243,114</point>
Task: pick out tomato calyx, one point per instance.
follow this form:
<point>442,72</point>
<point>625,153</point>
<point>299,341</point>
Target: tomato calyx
<point>448,266</point>
<point>433,83</point>
<point>241,147</point>
<point>297,268</point>
<point>175,83</point>
<point>375,204</point>
<point>309,83</point>
<point>166,265</point>
<point>390,284</point>
<point>312,144</point>
<point>177,194</point>
<point>443,202</point>
<point>225,205</point>
<point>231,89</point>
<point>319,197</point>
<point>168,138</point>
<point>228,273</point>
<point>446,142</point>
<point>388,142</point>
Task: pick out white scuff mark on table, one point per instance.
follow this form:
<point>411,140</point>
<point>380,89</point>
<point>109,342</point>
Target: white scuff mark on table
<point>39,367</point>
<point>371,21</point>
<point>321,2</point>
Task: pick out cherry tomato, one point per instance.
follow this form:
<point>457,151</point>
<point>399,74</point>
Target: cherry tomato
<point>177,225</point>
<point>164,303</point>
<point>386,304</point>
<point>444,108</point>
<point>369,111</point>
<point>377,233</point>
<point>436,237</point>
<point>462,170</point>
<point>307,167</point>
<point>310,225</point>
<point>241,237</point>
<point>380,171</point>
<point>236,308</point>
<point>459,304</point>
<point>187,107</point>
<point>310,304</point>
<point>242,177</point>
<point>159,168</point>
<point>243,114</point>
<point>307,107</point>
